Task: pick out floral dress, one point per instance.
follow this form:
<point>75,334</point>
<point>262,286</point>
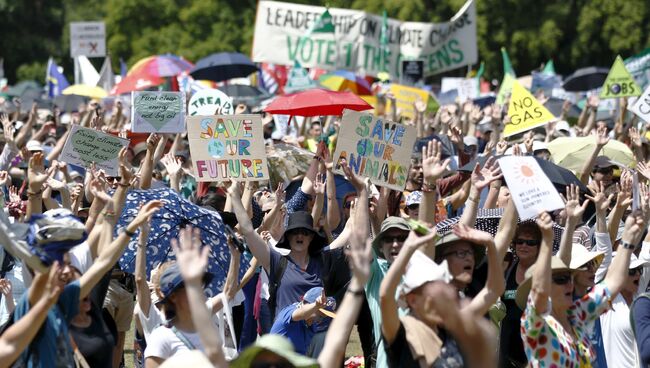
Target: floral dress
<point>547,343</point>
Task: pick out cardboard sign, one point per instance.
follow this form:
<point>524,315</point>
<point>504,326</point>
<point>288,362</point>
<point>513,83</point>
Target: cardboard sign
<point>405,97</point>
<point>412,72</point>
<point>282,36</point>
<point>530,189</point>
<point>158,112</point>
<point>207,101</point>
<point>525,112</point>
<point>641,107</point>
<point>85,146</point>
<point>619,82</point>
<point>227,147</point>
<point>87,39</point>
<point>468,88</point>
<point>375,148</point>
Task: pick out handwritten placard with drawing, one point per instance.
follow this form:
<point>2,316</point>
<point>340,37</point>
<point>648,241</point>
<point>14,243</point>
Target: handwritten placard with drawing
<point>158,112</point>
<point>85,146</point>
<point>227,147</point>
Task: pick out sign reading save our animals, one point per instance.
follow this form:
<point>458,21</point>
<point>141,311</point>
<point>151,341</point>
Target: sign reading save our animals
<point>85,146</point>
<point>226,147</point>
<point>208,101</point>
<point>158,112</point>
<point>375,148</point>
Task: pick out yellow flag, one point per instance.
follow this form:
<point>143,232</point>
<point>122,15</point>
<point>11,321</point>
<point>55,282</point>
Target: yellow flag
<point>525,111</point>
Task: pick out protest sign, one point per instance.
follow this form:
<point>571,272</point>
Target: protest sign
<point>412,72</point>
<point>207,101</point>
<point>299,80</point>
<point>641,107</point>
<point>85,146</point>
<point>227,147</point>
<point>375,148</point>
<point>87,39</point>
<point>525,112</point>
<point>619,82</point>
<point>283,34</point>
<point>468,88</point>
<point>158,112</point>
<point>530,189</point>
<point>405,97</point>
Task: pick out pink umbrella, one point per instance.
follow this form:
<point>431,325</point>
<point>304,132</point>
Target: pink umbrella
<point>161,65</point>
<point>315,102</point>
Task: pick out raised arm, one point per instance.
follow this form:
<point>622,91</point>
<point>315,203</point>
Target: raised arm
<point>389,317</point>
<point>574,212</point>
<point>361,220</point>
<point>256,244</point>
<point>433,166</point>
<point>623,201</point>
<point>319,200</point>
<point>192,260</point>
<point>174,171</point>
<point>507,228</point>
<point>541,287</point>
<point>147,163</point>
<point>36,177</point>
<point>603,242</point>
<point>481,178</point>
<point>601,140</point>
<point>618,270</point>
<point>141,285</point>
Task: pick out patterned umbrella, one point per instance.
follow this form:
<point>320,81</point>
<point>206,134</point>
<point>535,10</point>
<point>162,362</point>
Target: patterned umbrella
<point>165,225</point>
<point>161,66</point>
<point>488,220</point>
<point>344,80</point>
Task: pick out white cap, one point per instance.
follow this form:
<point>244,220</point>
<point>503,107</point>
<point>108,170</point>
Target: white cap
<point>470,141</point>
<point>562,125</point>
<point>34,146</point>
<point>634,261</point>
<point>539,145</point>
<point>422,269</point>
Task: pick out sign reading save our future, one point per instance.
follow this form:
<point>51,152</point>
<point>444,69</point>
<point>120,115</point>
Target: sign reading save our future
<point>86,146</point>
<point>227,147</point>
<point>375,148</point>
<point>285,32</point>
<point>158,112</point>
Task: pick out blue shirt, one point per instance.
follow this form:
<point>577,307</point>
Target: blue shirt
<point>641,313</point>
<point>298,332</point>
<point>51,346</point>
<point>295,282</point>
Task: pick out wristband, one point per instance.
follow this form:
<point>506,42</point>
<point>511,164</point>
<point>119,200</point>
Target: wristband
<point>427,188</point>
<point>123,185</point>
<point>34,194</point>
<point>128,233</point>
<point>627,245</point>
<point>355,292</point>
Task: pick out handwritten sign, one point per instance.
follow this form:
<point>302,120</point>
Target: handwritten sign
<point>158,112</point>
<point>227,147</point>
<point>375,148</point>
<point>85,146</point>
<point>405,97</point>
<point>641,107</point>
<point>207,101</point>
<point>530,189</point>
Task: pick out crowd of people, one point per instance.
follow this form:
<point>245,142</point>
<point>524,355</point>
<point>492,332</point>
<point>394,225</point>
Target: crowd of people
<point>566,289</point>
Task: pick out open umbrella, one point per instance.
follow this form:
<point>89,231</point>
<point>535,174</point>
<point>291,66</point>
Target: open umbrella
<point>585,79</point>
<point>344,80</point>
<point>554,105</point>
<point>20,88</point>
<point>488,219</point>
<point>241,93</point>
<point>572,152</point>
<point>315,102</point>
<point>138,80</point>
<point>223,66</point>
<point>165,225</point>
<point>161,65</point>
<point>85,90</point>
<point>69,103</point>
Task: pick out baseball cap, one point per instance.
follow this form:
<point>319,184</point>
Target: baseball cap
<point>421,270</point>
<point>34,146</point>
<point>313,294</point>
<point>414,198</point>
<point>470,141</point>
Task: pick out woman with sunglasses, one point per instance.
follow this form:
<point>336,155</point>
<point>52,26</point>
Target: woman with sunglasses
<point>554,327</point>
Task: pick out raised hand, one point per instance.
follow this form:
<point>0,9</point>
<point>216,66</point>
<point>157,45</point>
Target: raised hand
<point>545,224</point>
<point>146,212</point>
<point>280,194</point>
<point>4,178</point>
<point>593,101</point>
<point>601,201</point>
<point>456,137</point>
<point>357,181</point>
<point>36,174</point>
<point>415,241</point>
<point>624,190</point>
<point>152,141</point>
<point>172,165</point>
<point>319,184</point>
<point>574,210</point>
<point>601,136</point>
<point>502,147</point>
<point>432,165</point>
<point>482,177</point>
<point>14,195</point>
<point>191,259</point>
<point>360,258</point>
<point>473,235</point>
<point>643,169</point>
<point>635,137</point>
<point>528,141</point>
<point>419,106</point>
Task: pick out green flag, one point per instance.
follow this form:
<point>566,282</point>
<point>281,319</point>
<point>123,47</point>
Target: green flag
<point>549,68</point>
<point>324,24</point>
<point>383,41</point>
<point>507,66</point>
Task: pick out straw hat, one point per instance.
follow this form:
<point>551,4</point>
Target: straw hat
<point>580,256</point>
<point>524,289</point>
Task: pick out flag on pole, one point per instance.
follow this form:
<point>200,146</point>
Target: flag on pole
<point>106,76</point>
<point>549,68</point>
<point>87,73</point>
<point>54,79</point>
<point>507,65</point>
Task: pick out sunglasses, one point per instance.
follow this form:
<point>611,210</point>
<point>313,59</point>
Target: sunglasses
<point>528,242</point>
<point>604,170</point>
<point>460,254</point>
<point>388,239</point>
<point>303,232</point>
<point>562,279</point>
<point>634,271</point>
<point>113,179</point>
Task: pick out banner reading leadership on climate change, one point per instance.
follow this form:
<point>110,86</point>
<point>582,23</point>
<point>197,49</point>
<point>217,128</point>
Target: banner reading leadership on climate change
<point>284,33</point>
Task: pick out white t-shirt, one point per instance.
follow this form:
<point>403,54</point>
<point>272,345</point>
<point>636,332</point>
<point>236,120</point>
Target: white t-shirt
<point>163,343</point>
<point>156,318</point>
<point>618,338</point>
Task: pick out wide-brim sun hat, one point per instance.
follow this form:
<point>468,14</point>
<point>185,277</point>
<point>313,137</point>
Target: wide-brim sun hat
<point>449,239</point>
<point>302,220</point>
<point>524,289</point>
<point>580,256</point>
<point>278,345</point>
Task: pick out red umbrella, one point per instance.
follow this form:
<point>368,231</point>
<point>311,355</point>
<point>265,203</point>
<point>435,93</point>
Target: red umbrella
<point>136,81</point>
<point>316,102</point>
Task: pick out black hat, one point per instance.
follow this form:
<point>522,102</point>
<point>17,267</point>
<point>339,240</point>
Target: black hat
<point>302,220</point>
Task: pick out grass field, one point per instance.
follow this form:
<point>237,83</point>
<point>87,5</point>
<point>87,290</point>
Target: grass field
<point>353,349</point>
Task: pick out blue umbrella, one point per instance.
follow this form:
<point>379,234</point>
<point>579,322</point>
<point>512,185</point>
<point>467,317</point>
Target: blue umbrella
<point>165,225</point>
<point>223,66</point>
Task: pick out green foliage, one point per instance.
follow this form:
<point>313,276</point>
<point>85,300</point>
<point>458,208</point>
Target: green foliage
<point>32,71</point>
<point>574,33</point>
